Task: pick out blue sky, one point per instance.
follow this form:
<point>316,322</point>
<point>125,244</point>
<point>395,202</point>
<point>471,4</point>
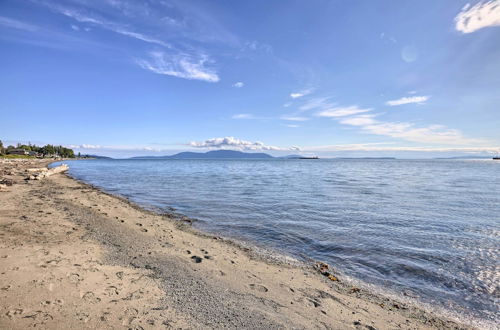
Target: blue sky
<point>333,78</point>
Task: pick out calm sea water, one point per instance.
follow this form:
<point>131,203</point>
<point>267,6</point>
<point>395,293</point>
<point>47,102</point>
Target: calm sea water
<point>423,229</point>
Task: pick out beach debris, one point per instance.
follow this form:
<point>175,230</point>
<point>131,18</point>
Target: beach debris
<point>40,173</point>
<point>354,290</point>
<point>6,182</point>
<point>324,270</point>
<point>332,278</point>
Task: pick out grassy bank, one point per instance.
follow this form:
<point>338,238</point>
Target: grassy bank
<point>16,157</point>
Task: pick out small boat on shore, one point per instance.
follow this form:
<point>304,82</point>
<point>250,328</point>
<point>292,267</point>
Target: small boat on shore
<point>312,157</point>
<point>496,158</point>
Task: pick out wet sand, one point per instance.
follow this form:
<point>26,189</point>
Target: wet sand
<point>73,257</point>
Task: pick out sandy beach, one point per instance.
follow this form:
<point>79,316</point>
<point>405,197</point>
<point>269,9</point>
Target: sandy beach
<point>74,257</point>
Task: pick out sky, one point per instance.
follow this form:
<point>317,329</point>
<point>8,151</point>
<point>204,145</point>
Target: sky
<point>409,79</point>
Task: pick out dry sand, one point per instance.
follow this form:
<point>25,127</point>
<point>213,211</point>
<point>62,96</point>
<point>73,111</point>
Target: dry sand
<point>72,257</point>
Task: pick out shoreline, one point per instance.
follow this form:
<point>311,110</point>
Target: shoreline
<point>171,274</point>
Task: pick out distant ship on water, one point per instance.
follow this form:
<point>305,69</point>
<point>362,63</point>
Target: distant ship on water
<point>312,157</point>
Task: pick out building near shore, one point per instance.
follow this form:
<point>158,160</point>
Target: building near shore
<point>18,152</point>
<point>35,154</point>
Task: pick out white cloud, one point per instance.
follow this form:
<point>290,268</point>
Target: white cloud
<point>75,27</point>
<point>286,105</point>
<point>407,131</point>
<point>296,95</point>
<point>292,125</point>
<point>341,111</point>
<point>243,116</point>
<point>294,118</point>
<point>180,65</point>
<point>235,144</point>
<point>238,84</point>
<point>481,15</point>
<point>407,100</point>
<point>301,93</point>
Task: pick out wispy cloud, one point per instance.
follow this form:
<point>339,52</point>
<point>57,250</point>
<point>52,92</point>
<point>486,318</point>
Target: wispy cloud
<point>361,120</point>
<point>243,116</point>
<point>341,111</point>
<point>407,100</point>
<point>238,84</point>
<point>291,125</point>
<point>304,92</point>
<point>180,65</point>
<point>236,144</point>
<point>96,147</point>
<point>481,15</point>
<point>294,118</point>
<point>436,134</point>
<point>317,103</point>
<point>257,46</point>
<point>388,147</point>
<point>15,24</point>
<point>186,62</point>
<point>106,24</point>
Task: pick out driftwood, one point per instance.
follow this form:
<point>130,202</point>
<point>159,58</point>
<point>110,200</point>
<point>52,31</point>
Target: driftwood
<point>43,172</point>
<point>39,169</point>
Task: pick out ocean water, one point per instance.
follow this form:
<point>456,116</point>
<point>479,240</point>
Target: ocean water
<point>426,230</point>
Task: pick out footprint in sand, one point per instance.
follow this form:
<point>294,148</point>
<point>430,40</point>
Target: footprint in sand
<point>14,312</point>
<point>90,297</point>
<point>258,287</point>
<point>74,278</point>
<point>112,290</point>
<point>130,314</point>
<point>314,302</point>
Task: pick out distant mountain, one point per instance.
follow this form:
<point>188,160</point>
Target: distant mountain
<point>215,154</point>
